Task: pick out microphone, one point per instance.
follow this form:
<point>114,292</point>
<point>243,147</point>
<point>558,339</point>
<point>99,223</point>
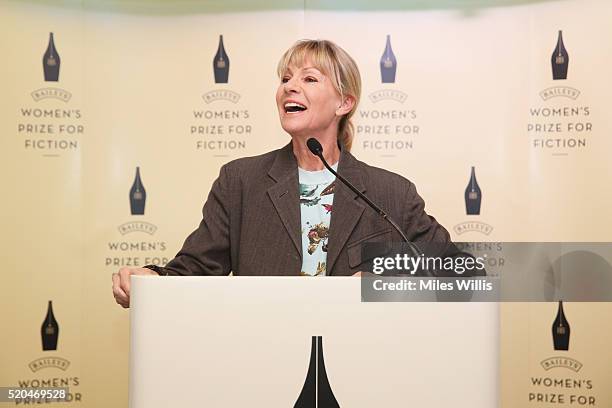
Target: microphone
<point>315,148</point>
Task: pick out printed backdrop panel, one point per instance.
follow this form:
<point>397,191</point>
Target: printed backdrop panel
<point>43,126</point>
<point>192,93</point>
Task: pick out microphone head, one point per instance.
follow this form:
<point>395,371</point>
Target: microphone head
<point>314,146</point>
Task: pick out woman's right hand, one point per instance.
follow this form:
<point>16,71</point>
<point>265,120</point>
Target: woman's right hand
<point>121,283</point>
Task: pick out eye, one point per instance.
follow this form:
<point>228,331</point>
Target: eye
<point>311,79</point>
<point>284,79</point>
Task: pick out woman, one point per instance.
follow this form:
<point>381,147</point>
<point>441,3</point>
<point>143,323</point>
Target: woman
<point>282,213</point>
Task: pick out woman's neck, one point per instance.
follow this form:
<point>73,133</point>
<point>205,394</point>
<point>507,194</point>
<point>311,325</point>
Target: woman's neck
<point>308,161</point>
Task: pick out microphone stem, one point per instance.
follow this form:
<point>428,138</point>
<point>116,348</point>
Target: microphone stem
<point>376,208</point>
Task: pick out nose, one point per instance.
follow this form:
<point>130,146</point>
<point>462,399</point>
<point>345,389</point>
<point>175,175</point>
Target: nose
<point>291,86</point>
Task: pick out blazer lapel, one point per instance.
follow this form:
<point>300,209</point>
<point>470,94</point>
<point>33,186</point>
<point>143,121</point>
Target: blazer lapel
<point>347,210</point>
<point>285,194</point>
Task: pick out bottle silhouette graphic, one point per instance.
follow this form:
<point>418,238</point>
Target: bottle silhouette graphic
<point>561,330</point>
<point>221,64</point>
<point>316,391</point>
<point>138,195</point>
<point>473,195</point>
<point>388,64</point>
<point>49,330</point>
<point>51,61</point>
<point>559,59</point>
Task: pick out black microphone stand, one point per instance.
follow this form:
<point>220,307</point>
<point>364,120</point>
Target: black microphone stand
<point>315,148</point>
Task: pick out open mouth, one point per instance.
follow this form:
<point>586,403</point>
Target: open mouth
<point>292,107</point>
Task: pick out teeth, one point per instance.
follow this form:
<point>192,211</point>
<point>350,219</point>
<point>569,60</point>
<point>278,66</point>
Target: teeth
<point>294,105</point>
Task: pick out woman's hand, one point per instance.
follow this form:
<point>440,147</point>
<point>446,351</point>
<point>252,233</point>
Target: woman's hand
<point>121,283</point>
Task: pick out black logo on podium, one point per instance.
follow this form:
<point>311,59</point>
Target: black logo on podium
<point>316,391</point>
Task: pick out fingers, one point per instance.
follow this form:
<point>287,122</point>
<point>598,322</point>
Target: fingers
<point>120,296</point>
<point>121,283</point>
<point>124,283</point>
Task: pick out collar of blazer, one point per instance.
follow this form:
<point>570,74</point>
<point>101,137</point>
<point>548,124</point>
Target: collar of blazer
<point>347,210</point>
<point>285,166</point>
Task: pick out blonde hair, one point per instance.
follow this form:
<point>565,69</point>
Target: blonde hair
<point>335,63</point>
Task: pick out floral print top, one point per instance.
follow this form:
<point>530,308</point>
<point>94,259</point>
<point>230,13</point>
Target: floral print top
<point>316,203</point>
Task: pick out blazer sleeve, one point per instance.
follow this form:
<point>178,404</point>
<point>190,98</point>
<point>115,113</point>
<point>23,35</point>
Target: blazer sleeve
<point>419,226</point>
<point>431,237</point>
<point>206,250</point>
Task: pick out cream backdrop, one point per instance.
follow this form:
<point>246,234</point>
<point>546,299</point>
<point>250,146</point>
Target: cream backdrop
<point>135,79</point>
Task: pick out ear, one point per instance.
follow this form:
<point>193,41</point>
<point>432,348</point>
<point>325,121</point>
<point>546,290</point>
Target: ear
<point>346,106</point>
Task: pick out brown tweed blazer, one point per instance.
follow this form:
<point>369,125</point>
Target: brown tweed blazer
<point>251,220</point>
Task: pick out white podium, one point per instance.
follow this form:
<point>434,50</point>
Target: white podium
<point>246,342</point>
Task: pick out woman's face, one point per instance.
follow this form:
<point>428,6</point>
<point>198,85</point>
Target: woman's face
<point>308,104</point>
